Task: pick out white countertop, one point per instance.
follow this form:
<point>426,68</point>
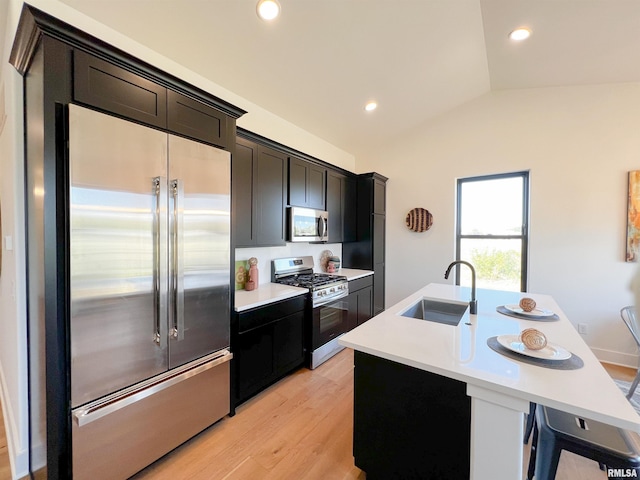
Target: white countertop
<point>353,273</point>
<point>265,293</point>
<point>462,353</point>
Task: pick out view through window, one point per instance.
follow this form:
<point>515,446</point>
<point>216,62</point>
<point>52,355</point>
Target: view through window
<point>492,230</point>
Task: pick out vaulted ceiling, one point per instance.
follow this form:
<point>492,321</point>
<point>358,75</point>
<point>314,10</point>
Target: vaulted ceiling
<point>321,60</point>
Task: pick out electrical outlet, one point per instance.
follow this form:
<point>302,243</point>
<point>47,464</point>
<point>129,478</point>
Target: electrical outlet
<point>583,329</point>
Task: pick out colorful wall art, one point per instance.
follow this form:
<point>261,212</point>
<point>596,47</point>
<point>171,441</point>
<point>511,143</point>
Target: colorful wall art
<point>633,217</point>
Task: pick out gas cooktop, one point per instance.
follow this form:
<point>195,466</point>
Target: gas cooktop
<point>311,280</point>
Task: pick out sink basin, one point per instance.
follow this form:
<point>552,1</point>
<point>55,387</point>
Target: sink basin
<point>449,312</point>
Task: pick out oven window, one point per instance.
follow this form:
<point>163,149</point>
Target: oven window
<point>330,320</point>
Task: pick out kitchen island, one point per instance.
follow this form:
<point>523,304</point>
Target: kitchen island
<point>481,395</point>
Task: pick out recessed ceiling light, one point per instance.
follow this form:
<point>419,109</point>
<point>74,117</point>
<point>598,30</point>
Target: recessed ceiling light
<point>268,9</point>
<point>371,106</point>
<point>520,34</point>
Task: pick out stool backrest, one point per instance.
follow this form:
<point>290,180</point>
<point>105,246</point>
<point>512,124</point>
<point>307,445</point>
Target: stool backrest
<point>628,315</point>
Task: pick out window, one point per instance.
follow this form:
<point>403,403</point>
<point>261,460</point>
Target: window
<point>492,230</point>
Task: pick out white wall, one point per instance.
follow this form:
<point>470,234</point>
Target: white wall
<point>13,337</point>
<point>578,143</point>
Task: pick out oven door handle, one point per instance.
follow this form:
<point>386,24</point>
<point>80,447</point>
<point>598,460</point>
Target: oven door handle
<point>342,294</point>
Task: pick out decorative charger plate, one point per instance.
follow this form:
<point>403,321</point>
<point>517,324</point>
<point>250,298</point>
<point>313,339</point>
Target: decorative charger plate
<point>536,312</point>
<point>550,352</point>
<point>419,220</point>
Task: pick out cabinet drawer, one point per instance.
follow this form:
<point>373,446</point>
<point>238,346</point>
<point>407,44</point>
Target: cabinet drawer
<point>260,316</point>
<point>196,120</point>
<point>360,283</point>
<point>116,90</point>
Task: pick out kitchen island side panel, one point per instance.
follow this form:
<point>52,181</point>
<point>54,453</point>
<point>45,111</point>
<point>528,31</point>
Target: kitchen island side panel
<point>409,423</point>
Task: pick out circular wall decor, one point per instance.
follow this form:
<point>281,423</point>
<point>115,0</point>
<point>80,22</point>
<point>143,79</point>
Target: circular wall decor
<point>419,220</point>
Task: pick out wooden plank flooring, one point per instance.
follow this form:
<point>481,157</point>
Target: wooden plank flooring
<point>300,428</point>
<point>5,467</point>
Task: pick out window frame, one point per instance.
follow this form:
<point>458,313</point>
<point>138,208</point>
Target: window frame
<point>524,235</point>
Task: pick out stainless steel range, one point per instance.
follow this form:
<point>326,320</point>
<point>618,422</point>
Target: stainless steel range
<point>328,316</point>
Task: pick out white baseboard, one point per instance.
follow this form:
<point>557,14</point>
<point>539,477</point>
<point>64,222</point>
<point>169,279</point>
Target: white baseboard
<point>18,456</point>
<point>608,356</point>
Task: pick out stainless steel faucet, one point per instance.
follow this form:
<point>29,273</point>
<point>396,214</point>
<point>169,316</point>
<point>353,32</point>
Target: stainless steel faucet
<point>473,304</point>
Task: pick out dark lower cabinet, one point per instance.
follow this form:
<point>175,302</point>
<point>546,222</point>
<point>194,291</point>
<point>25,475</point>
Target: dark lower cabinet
<point>409,423</point>
<point>360,300</point>
<point>267,343</point>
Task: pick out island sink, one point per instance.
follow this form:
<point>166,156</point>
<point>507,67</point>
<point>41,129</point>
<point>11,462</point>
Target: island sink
<point>437,310</point>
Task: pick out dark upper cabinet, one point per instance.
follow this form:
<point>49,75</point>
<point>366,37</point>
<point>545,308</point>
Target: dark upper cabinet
<point>341,205</point>
<point>368,251</point>
<point>270,197</point>
<point>113,89</point>
<point>306,184</point>
<point>199,121</point>
<point>349,209</point>
<point>243,164</point>
<point>105,86</point>
<point>259,176</point>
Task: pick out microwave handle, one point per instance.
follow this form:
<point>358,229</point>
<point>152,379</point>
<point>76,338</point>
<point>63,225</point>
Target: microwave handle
<point>322,227</point>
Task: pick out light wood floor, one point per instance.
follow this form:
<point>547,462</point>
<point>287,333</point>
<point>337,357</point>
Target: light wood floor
<point>5,467</point>
<point>298,429</point>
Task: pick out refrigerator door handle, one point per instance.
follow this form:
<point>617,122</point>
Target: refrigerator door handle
<point>159,232</point>
<point>177,261</point>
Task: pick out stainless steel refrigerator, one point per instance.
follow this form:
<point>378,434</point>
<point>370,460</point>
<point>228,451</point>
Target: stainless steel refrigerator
<point>150,277</point>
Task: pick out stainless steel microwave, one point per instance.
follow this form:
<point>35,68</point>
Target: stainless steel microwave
<point>308,225</point>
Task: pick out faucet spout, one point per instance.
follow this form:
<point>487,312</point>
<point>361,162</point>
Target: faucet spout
<point>473,304</point>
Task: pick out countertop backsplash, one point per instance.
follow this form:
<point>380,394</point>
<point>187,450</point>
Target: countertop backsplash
<point>266,254</point>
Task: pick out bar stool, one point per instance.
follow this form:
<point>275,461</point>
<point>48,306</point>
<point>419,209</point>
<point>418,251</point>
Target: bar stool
<point>555,431</point>
<point>531,419</point>
<point>628,315</point>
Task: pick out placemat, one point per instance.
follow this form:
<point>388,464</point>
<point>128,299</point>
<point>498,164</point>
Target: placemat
<point>549,318</point>
<point>574,362</point>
